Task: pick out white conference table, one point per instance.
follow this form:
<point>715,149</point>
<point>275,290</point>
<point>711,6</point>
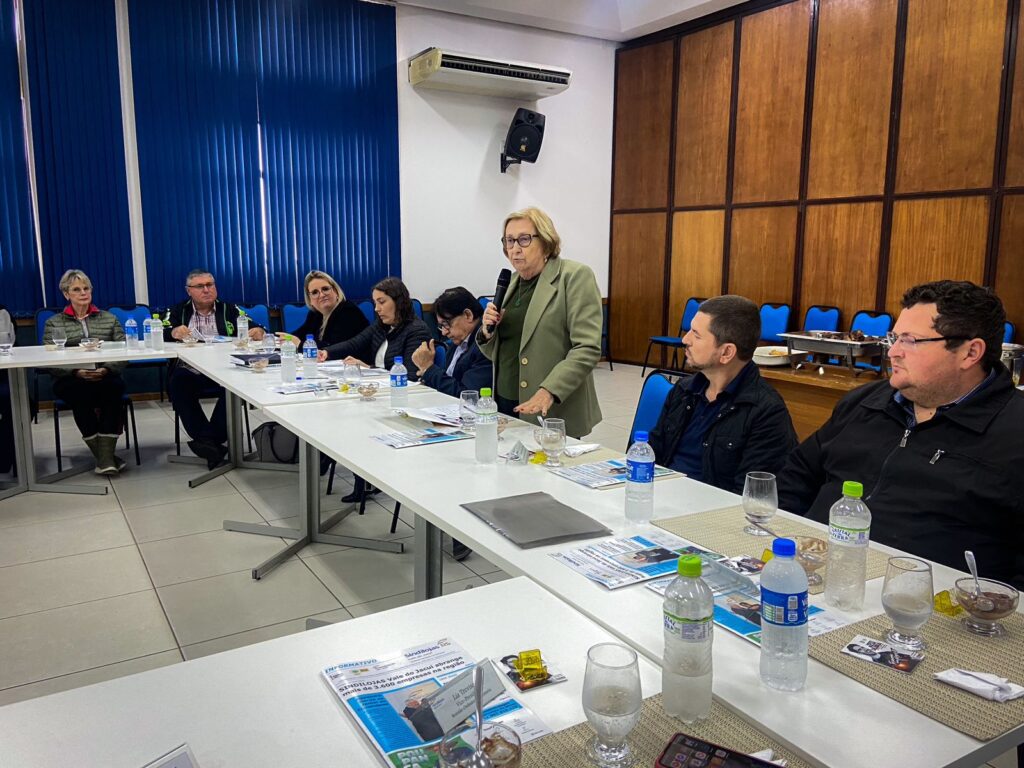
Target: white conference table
<point>18,363</point>
<point>267,704</point>
<point>433,480</point>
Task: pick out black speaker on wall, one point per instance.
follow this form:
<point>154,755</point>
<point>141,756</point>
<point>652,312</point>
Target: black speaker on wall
<point>525,134</point>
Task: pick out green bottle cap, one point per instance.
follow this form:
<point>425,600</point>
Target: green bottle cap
<point>485,392</point>
<point>690,566</point>
<point>853,488</point>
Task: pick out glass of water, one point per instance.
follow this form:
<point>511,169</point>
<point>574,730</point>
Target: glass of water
<point>907,597</point>
<point>6,342</point>
<point>760,500</point>
<point>552,441</point>
<point>467,409</point>
<point>59,338</point>
<point>612,703</point>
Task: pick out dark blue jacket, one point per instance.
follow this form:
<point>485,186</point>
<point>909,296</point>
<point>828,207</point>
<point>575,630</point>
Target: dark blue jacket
<point>472,371</point>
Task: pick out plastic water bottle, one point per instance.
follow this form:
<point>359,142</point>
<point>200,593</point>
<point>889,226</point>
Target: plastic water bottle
<point>849,531</point>
<point>287,361</point>
<point>131,334</point>
<point>242,326</point>
<point>689,632</point>
<point>147,333</point>
<point>399,384</point>
<point>486,428</point>
<point>309,351</point>
<point>784,619</point>
<point>640,480</point>
<point>156,336</point>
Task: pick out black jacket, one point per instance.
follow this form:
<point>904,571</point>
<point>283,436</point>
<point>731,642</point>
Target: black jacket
<point>402,340</point>
<point>345,321</point>
<point>472,371</point>
<point>752,433</point>
<point>934,490</point>
<point>225,314</point>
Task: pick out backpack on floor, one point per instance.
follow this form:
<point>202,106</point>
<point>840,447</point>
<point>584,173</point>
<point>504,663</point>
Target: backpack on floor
<point>275,444</point>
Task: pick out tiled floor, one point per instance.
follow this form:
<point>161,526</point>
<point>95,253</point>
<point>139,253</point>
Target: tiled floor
<point>96,587</point>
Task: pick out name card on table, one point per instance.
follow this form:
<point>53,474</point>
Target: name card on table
<point>179,757</point>
<point>457,701</point>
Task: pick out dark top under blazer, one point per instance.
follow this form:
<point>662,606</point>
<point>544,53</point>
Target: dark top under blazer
<point>402,341</point>
<point>345,321</point>
<point>472,371</point>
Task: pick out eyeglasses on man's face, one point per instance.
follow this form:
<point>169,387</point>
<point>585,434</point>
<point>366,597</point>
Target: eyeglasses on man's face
<point>523,240</point>
<point>202,286</point>
<point>445,325</point>
<point>909,342</point>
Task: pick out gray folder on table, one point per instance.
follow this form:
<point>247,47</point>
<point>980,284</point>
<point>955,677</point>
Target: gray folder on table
<point>536,519</point>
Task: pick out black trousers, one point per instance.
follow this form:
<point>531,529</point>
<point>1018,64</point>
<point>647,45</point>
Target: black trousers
<point>96,405</point>
<point>185,388</point>
<point>6,426</point>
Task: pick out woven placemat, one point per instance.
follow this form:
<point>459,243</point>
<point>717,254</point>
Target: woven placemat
<point>567,749</point>
<point>950,645</point>
<point>721,530</point>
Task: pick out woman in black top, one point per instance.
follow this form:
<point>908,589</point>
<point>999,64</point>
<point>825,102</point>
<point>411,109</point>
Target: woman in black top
<point>331,319</point>
<point>397,332</point>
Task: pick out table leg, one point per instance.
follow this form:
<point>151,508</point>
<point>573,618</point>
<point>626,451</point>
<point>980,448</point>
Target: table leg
<point>429,561</point>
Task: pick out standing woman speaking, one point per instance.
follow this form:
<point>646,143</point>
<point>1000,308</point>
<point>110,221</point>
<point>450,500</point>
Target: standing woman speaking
<point>547,333</point>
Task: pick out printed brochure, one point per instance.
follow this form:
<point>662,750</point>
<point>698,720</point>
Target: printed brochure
<point>427,436</point>
<point>605,474</point>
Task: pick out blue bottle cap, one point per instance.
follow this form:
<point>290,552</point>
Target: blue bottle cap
<point>309,337</point>
<point>784,548</point>
<point>640,437</point>
<point>398,360</point>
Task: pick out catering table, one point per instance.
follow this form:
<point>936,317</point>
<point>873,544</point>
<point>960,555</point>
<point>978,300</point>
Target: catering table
<point>18,363</point>
<point>267,704</point>
<point>434,480</point>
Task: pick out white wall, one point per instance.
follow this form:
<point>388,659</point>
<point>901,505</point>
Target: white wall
<point>453,194</point>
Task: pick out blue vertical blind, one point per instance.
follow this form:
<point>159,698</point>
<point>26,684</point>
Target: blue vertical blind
<point>78,142</point>
<point>268,143</point>
<point>20,287</point>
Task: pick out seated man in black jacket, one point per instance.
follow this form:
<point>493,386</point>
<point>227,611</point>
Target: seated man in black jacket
<point>458,316</point>
<point>937,446</point>
<point>205,313</point>
<point>725,420</point>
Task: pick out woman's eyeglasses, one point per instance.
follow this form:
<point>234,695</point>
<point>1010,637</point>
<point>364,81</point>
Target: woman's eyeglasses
<point>523,240</point>
<point>320,291</point>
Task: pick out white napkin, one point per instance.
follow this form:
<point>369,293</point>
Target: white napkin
<point>767,755</point>
<point>983,684</point>
<point>572,451</point>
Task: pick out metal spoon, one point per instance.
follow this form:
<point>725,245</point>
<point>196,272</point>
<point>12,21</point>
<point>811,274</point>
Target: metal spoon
<point>981,603</point>
<point>479,758</point>
<point>766,530</point>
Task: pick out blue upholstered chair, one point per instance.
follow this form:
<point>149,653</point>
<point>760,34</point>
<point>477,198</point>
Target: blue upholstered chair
<point>293,316</point>
<point>259,314</point>
<point>821,318</point>
<point>366,307</point>
<point>1008,331</point>
<point>675,342</point>
<point>774,320</point>
<point>652,400</point>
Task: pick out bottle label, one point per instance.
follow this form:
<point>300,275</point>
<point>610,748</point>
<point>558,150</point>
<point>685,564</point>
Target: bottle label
<point>688,630</point>
<point>640,471</point>
<point>851,537</point>
<point>782,609</point>
<point>399,380</point>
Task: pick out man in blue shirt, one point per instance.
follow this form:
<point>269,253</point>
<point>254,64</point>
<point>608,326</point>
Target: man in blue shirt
<point>725,420</point>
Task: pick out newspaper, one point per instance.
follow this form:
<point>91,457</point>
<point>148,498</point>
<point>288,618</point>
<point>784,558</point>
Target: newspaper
<point>427,436</point>
<point>385,697</point>
<point>440,414</point>
<point>621,562</point>
<point>604,474</point>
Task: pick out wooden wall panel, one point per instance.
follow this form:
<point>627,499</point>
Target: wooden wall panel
<point>951,86</point>
<point>770,106</point>
<point>1015,147</point>
<point>1009,285</point>
<point>697,246</point>
<point>852,91</point>
<point>841,249</point>
<point>702,120</point>
<point>637,286</point>
<point>643,125</point>
<point>936,239</point>
<point>761,252</point>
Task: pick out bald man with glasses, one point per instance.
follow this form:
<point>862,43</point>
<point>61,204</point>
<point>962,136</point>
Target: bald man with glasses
<point>937,446</point>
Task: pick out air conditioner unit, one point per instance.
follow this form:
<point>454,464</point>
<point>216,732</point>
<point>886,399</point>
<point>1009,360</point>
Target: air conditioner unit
<point>452,71</point>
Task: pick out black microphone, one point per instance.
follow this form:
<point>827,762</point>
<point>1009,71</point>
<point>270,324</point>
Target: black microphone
<point>504,278</point>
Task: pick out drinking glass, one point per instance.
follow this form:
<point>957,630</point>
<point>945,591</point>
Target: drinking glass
<point>467,409</point>
<point>59,338</point>
<point>907,595</point>
<point>6,342</point>
<point>499,742</point>
<point>760,500</point>
<point>612,703</point>
<point>552,441</point>
<point>269,343</point>
<point>352,376</point>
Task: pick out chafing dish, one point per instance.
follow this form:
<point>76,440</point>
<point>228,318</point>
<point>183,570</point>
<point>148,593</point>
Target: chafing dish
<point>1013,359</point>
<point>846,348</point>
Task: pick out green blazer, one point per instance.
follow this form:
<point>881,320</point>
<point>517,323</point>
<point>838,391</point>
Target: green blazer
<point>561,343</point>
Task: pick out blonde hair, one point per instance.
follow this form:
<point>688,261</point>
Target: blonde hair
<point>316,274</point>
<point>546,231</point>
<point>70,276</point>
